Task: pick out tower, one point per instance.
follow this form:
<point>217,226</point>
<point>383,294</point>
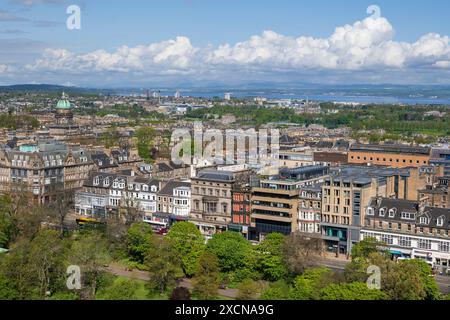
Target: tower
<point>64,115</point>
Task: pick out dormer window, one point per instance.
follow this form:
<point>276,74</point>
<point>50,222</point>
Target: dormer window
<point>408,216</point>
<point>96,181</point>
<point>382,212</point>
<point>144,188</point>
<point>369,211</point>
<point>440,222</point>
<point>106,182</point>
<point>100,163</point>
<point>154,188</point>
<point>423,220</point>
<point>392,213</point>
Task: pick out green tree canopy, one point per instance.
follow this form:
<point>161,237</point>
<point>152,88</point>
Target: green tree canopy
<point>121,289</point>
<point>308,285</point>
<point>139,241</point>
<point>206,282</point>
<point>163,265</point>
<point>270,257</point>
<point>189,244</point>
<point>365,247</point>
<point>145,142</point>
<point>351,291</point>
<point>232,249</point>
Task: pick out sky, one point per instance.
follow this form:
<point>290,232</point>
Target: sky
<point>203,42</point>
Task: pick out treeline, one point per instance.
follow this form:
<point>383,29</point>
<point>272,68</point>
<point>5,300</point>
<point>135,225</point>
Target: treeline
<point>10,121</point>
<point>394,119</point>
<point>134,111</point>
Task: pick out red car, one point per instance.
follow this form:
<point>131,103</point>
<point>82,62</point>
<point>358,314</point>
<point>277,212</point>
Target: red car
<point>162,231</point>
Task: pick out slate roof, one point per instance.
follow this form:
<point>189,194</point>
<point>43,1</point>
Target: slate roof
<point>167,190</point>
<point>216,175</point>
<point>400,206</point>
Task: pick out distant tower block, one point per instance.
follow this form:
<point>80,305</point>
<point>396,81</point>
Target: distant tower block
<point>227,96</point>
<point>148,95</point>
<point>178,94</point>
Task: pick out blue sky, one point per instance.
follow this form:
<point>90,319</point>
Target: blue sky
<point>216,42</point>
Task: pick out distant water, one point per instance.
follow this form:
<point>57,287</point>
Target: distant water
<point>376,96</point>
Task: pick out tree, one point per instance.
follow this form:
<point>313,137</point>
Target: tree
<point>90,252</point>
<point>277,291</point>
<point>356,270</point>
<point>270,257</point>
<point>7,222</point>
<point>121,289</point>
<point>61,208</point>
<point>111,137</point>
<point>189,244</point>
<point>8,291</point>
<point>206,282</point>
<point>180,293</point>
<point>232,249</point>
<point>117,238</point>
<point>308,285</point>
<point>401,281</point>
<point>365,247</point>
<point>17,280</point>
<point>139,241</point>
<point>351,291</point>
<point>163,265</point>
<point>301,253</point>
<point>145,142</point>
<point>429,283</point>
<point>129,211</point>
<point>46,260</point>
<point>248,290</point>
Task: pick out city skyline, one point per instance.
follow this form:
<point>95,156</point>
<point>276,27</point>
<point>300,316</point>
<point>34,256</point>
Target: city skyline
<point>228,43</point>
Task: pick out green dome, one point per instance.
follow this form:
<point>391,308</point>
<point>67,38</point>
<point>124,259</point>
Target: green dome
<point>63,103</point>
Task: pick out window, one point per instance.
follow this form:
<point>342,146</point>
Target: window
<point>440,222</point>
<point>405,242</point>
<point>211,207</point>
<point>408,216</point>
<point>387,239</point>
<point>382,212</point>
<point>392,213</point>
<point>423,220</point>
<point>370,211</point>
<point>424,244</point>
<point>444,246</point>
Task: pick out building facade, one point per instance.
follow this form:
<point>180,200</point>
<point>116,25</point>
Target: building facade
<point>397,156</point>
<point>410,230</point>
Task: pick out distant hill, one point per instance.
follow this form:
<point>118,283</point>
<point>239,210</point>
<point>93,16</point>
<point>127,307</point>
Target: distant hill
<point>49,88</point>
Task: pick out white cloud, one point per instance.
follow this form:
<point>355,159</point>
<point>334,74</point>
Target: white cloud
<point>366,46</point>
<point>175,54</point>
<point>3,68</point>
